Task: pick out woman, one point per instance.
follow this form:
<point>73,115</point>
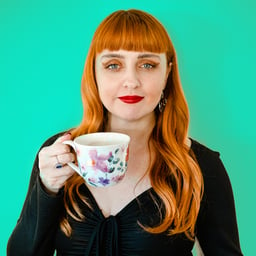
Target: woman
<point>175,189</point>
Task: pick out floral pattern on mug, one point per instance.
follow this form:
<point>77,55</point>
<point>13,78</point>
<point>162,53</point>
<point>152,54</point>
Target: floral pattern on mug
<point>92,181</point>
<point>98,161</point>
<point>82,170</point>
<point>108,168</point>
<point>103,181</point>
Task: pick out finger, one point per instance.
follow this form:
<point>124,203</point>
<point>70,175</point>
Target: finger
<point>45,162</point>
<point>48,159</point>
<point>60,182</point>
<point>66,158</point>
<point>57,148</point>
<point>54,184</point>
<point>52,173</point>
<point>53,150</point>
<point>55,174</point>
<point>65,171</point>
<point>62,138</point>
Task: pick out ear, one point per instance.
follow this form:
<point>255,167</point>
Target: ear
<point>168,70</point>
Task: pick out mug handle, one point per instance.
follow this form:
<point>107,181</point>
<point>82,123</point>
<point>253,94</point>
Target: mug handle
<point>72,165</point>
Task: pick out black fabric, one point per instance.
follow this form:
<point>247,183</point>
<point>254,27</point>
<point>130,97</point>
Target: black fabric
<point>37,231</point>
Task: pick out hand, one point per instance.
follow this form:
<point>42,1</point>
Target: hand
<point>54,178</point>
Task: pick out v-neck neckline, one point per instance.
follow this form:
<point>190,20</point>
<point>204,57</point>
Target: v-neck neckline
<point>131,202</point>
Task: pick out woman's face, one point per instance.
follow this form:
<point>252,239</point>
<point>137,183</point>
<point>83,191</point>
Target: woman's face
<point>130,83</point>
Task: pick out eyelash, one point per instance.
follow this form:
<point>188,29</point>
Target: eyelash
<point>116,66</point>
<point>149,65</point>
<point>112,66</point>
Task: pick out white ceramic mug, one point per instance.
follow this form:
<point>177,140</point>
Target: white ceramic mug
<point>102,157</point>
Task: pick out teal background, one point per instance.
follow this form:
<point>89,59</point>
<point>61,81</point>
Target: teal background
<point>43,45</point>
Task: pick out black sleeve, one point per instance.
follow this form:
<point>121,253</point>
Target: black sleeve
<point>217,230</point>
<point>35,230</point>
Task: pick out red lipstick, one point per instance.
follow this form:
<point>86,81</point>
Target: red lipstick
<point>131,99</point>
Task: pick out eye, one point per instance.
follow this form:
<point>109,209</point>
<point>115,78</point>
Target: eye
<point>147,65</point>
<point>112,66</point>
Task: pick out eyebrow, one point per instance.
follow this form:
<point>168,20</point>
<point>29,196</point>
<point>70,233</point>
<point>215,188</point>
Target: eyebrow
<point>148,55</point>
<point>141,56</point>
<point>112,55</point>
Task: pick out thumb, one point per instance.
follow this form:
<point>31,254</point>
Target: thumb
<point>66,136</point>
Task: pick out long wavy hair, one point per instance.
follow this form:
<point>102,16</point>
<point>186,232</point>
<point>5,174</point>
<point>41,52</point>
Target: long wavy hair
<point>135,30</point>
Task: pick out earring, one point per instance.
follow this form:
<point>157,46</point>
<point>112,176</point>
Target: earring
<point>162,102</point>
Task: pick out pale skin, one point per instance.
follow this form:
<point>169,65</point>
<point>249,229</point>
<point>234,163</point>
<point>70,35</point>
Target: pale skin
<point>53,179</point>
<point>118,73</point>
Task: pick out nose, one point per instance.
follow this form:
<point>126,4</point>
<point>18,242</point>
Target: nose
<point>131,79</point>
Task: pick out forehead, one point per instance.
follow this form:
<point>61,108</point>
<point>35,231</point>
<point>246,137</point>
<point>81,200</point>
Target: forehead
<point>124,54</point>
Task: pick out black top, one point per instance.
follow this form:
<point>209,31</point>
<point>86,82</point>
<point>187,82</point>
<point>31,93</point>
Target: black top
<point>38,233</point>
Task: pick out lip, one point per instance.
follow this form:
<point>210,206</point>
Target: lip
<point>131,99</point>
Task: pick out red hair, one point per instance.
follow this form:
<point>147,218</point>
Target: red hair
<point>135,30</point>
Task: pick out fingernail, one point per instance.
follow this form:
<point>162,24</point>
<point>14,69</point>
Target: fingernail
<point>58,166</point>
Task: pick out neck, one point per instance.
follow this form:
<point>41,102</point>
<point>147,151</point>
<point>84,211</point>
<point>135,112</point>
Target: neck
<point>140,155</point>
<point>139,130</point>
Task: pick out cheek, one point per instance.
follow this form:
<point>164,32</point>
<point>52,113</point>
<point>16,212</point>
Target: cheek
<point>154,94</point>
<point>105,81</point>
<point>102,85</point>
<point>102,93</point>
<point>155,90</point>
<point>155,85</point>
<point>106,92</point>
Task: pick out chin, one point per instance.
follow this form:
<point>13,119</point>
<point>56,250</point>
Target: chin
<point>135,116</point>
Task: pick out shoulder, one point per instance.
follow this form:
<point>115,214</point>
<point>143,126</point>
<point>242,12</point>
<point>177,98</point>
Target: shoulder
<point>208,159</point>
<point>202,151</point>
<point>216,178</point>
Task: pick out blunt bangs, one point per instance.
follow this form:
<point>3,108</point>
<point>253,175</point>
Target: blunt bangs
<point>133,31</point>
